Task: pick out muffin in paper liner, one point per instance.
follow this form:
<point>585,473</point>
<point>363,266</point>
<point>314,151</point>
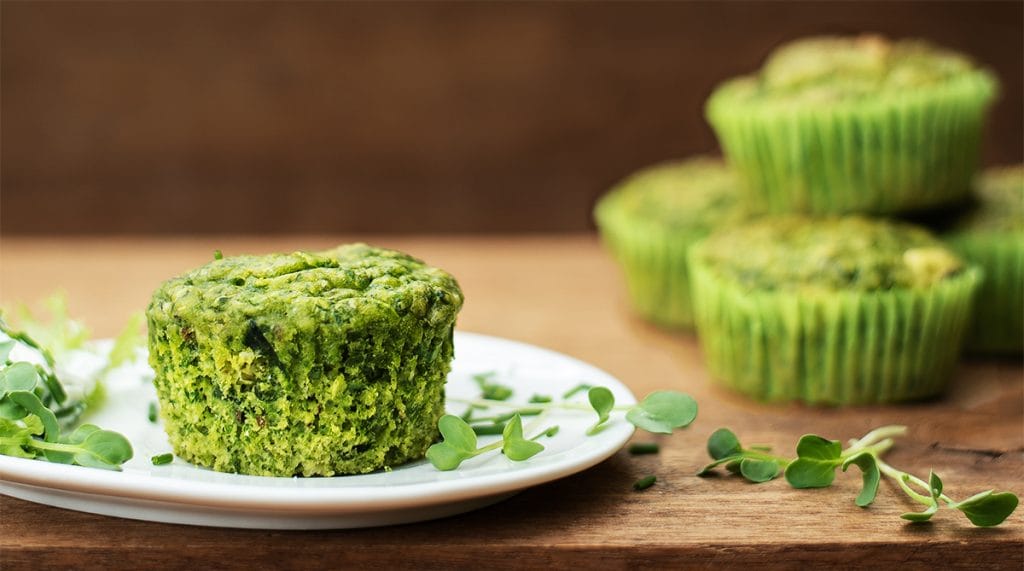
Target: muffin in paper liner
<point>854,125</point>
<point>991,235</point>
<point>815,340</point>
<point>649,221</point>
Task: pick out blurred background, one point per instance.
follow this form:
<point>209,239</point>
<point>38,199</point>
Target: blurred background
<point>331,117</point>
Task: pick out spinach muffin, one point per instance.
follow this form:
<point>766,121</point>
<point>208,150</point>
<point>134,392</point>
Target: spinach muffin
<point>991,235</point>
<point>833,311</point>
<point>303,364</point>
<point>834,125</point>
<point>648,222</point>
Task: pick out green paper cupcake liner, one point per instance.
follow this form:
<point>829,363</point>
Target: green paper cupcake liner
<point>883,156</point>
<point>997,326</point>
<point>840,348</point>
<point>654,264</point>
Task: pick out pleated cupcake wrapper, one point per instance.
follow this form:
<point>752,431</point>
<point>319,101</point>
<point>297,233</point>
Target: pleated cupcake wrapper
<point>886,156</point>
<point>653,261</point>
<point>838,348</point>
<point>997,326</point>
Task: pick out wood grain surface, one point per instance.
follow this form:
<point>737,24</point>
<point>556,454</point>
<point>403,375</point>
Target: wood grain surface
<point>181,117</point>
<point>563,293</point>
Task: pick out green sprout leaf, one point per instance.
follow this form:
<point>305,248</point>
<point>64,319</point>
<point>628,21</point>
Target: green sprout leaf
<point>758,471</point>
<point>815,466</point>
<point>723,443</point>
<point>641,448</point>
<point>19,376</point>
<point>5,349</point>
<point>603,401</point>
<point>31,403</point>
<point>935,489</point>
<point>458,444</point>
<point>663,411</point>
<point>516,447</point>
<point>989,508</point>
<point>104,449</point>
<point>870,476</point>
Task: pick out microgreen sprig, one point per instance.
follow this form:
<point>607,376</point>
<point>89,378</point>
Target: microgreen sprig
<point>818,458</point>
<point>661,412</point>
<point>30,408</point>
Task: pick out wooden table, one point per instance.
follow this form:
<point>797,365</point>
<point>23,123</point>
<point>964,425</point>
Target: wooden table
<point>563,293</point>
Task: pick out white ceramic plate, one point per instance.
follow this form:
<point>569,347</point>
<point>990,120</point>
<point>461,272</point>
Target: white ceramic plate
<point>182,493</point>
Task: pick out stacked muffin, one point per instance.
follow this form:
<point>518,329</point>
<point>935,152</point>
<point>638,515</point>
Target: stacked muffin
<point>810,298</point>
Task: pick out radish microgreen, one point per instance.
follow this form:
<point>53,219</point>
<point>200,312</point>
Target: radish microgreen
<point>661,412</point>
<point>817,460</point>
<point>31,412</point>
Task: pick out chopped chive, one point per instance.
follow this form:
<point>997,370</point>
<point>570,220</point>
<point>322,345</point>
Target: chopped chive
<point>488,429</point>
<point>217,255</point>
<point>645,482</point>
<point>644,448</point>
<point>161,459</point>
<point>152,412</point>
<point>540,399</point>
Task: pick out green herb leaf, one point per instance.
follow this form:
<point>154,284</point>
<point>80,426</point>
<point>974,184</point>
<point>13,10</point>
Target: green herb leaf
<point>602,401</point>
<point>516,447</point>
<point>870,476</point>
<point>663,411</point>
<point>104,449</point>
<point>540,399</point>
<point>459,443</point>
<point>19,376</point>
<point>723,443</point>
<point>935,489</point>
<point>989,508</point>
<point>30,402</point>
<point>153,412</point>
<point>5,349</point>
<point>921,517</point>
<point>758,471</point>
<point>817,459</point>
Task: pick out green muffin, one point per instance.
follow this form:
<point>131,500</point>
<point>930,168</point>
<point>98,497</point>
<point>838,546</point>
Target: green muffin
<point>648,222</point>
<point>303,364</point>
<point>991,235</point>
<point>835,125</point>
<point>830,311</point>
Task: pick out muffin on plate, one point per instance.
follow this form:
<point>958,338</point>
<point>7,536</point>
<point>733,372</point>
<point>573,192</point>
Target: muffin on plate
<point>991,235</point>
<point>648,222</point>
<point>841,310</point>
<point>834,125</point>
<point>304,364</point>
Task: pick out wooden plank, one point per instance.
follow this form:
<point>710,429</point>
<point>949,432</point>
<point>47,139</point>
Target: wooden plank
<point>564,293</point>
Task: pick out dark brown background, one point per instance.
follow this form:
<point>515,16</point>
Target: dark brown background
<point>139,117</point>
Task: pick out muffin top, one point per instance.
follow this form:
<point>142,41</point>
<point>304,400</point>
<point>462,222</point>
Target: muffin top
<point>832,69</point>
<point>308,287</point>
<point>999,194</point>
<point>831,254</point>
<point>695,194</point>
